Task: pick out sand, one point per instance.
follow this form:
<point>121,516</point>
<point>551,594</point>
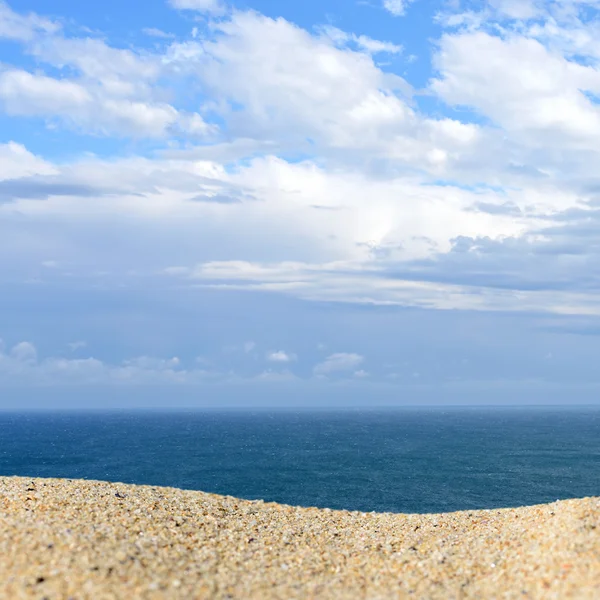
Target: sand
<point>73,539</point>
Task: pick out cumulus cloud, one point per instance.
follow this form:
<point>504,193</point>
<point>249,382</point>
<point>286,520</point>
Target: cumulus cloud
<point>25,94</point>
<point>288,85</point>
<point>280,356</point>
<point>15,26</point>
<point>24,352</point>
<point>396,7</point>
<point>491,208</point>
<point>493,75</point>
<point>342,99</point>
<point>199,5</point>
<point>101,90</point>
<point>22,366</point>
<point>17,162</point>
<point>338,362</point>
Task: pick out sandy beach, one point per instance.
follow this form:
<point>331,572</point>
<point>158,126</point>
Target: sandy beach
<point>76,539</point>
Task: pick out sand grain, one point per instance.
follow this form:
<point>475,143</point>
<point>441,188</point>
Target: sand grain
<point>73,539</point>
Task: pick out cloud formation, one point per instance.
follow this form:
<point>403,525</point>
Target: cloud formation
<point>344,39</point>
<point>210,6</point>
<point>22,366</point>
<point>23,27</point>
<point>338,362</point>
<point>101,90</point>
<point>396,7</point>
<point>280,356</point>
<point>258,156</point>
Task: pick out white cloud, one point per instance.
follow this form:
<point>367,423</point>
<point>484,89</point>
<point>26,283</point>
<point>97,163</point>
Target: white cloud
<point>342,38</point>
<point>338,362</point>
<point>291,83</point>
<point>280,356</point>
<point>25,94</point>
<point>531,92</point>
<point>100,90</point>
<point>366,219</point>
<point>288,86</point>
<point>22,366</point>
<point>24,352</point>
<point>396,7</point>
<point>492,209</point>
<point>370,283</point>
<point>16,161</point>
<point>15,26</point>
<point>214,6</point>
<point>116,72</point>
<point>345,250</point>
<point>516,9</point>
<point>157,33</point>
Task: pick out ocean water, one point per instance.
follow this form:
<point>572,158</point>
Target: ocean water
<point>409,460</point>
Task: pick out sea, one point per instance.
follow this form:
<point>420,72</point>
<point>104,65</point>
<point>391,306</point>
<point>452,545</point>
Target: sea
<point>411,460</point>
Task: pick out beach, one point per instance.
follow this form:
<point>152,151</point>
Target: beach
<point>77,539</point>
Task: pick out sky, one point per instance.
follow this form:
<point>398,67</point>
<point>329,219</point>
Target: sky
<point>317,203</point>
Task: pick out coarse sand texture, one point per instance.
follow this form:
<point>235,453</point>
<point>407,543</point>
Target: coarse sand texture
<point>73,539</point>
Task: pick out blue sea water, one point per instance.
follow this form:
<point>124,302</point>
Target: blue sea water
<point>409,460</point>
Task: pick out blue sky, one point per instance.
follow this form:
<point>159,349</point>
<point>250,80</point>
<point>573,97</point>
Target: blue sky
<point>211,203</point>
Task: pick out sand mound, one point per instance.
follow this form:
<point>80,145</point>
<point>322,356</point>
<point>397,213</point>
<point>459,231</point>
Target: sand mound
<point>77,539</point>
